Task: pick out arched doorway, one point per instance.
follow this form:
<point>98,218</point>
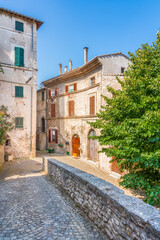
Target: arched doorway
<point>76,145</point>
<point>92,148</point>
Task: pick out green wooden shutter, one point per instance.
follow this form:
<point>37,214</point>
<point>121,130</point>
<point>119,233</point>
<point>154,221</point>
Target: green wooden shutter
<point>19,26</point>
<point>21,57</point>
<point>21,91</point>
<point>16,56</point>
<point>18,91</point>
<point>19,122</point>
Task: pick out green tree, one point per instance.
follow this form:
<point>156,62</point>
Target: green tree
<point>6,124</point>
<point>130,123</point>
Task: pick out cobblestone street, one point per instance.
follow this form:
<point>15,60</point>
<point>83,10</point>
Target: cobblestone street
<point>32,207</point>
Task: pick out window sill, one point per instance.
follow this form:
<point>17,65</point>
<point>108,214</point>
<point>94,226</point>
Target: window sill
<point>19,66</point>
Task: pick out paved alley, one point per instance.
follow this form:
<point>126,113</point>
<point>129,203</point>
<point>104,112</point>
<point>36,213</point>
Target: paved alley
<point>32,207</point>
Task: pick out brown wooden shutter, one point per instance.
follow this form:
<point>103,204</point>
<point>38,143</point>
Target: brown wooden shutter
<point>53,112</point>
<point>55,91</point>
<point>71,108</point>
<point>92,105</point>
<point>75,86</point>
<point>49,137</point>
<point>66,88</point>
<point>56,136</point>
<point>49,93</point>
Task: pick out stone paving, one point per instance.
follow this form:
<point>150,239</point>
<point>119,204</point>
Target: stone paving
<point>32,207</point>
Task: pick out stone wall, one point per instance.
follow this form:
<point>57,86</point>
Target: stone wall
<point>117,215</point>
<point>1,155</point>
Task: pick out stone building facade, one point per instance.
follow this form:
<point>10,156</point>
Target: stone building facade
<point>18,83</point>
<point>74,98</point>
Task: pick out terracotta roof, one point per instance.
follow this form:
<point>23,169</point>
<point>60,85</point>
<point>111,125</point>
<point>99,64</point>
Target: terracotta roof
<point>30,19</point>
<point>79,71</point>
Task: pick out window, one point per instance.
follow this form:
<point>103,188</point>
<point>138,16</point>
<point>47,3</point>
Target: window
<point>8,142</point>
<point>42,96</point>
<point>92,105</point>
<point>92,81</point>
<point>43,125</point>
<point>52,93</point>
<point>19,26</point>
<point>71,88</point>
<point>53,135</point>
<point>122,69</point>
<point>71,108</point>
<point>19,56</point>
<point>19,122</point>
<point>18,91</point>
<point>92,133</point>
<point>53,110</point>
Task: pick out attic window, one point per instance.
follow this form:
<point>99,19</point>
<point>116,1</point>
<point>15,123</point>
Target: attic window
<point>122,69</point>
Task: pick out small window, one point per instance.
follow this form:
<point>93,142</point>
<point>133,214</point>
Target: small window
<point>71,88</point>
<point>92,81</point>
<point>53,136</point>
<point>19,26</point>
<point>8,142</point>
<point>18,91</point>
<point>19,122</point>
<point>122,69</point>
<point>92,133</point>
<point>43,125</point>
<point>42,96</point>
<point>19,57</point>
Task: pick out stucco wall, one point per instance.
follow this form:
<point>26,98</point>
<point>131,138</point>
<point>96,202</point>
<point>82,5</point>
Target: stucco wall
<point>23,141</point>
<point>117,215</point>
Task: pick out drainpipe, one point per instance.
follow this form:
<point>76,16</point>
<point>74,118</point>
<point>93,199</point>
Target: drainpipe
<point>31,94</point>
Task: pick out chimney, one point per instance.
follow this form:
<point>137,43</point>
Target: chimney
<point>60,69</point>
<point>65,69</point>
<point>85,55</point>
<point>70,65</point>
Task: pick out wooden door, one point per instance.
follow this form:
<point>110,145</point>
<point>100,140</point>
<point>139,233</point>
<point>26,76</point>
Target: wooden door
<point>93,149</point>
<point>76,145</point>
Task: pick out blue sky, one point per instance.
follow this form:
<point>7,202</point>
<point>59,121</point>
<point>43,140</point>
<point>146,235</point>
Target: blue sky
<point>105,26</point>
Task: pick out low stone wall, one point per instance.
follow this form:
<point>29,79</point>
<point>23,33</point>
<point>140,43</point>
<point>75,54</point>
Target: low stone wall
<point>117,215</point>
<point>1,155</point>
